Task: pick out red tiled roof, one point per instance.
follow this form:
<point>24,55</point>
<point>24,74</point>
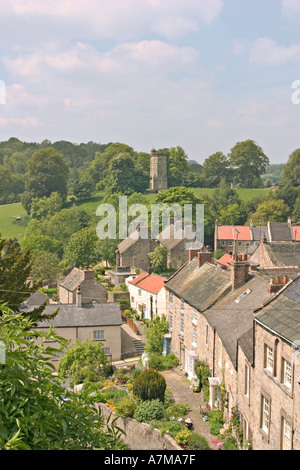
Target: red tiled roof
<point>151,283</point>
<point>229,232</point>
<point>225,259</point>
<point>138,278</point>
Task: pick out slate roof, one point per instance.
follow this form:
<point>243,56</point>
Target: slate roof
<point>171,237</point>
<point>280,232</point>
<point>137,235</point>
<point>69,315</point>
<point>38,298</point>
<point>73,279</point>
<point>200,287</point>
<point>282,314</point>
<point>246,344</point>
<point>284,253</point>
<point>233,315</point>
<point>259,232</point>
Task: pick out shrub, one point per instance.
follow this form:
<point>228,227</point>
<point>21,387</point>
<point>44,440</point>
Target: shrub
<point>158,362</point>
<point>177,410</point>
<point>170,427</point>
<point>150,385</point>
<point>149,410</point>
<point>126,406</point>
<point>197,442</point>
<point>113,394</point>
<point>183,437</point>
<point>216,422</point>
<point>230,444</point>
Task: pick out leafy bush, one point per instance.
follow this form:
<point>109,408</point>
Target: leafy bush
<point>170,427</point>
<point>216,422</point>
<point>126,406</point>
<point>113,394</point>
<point>158,362</point>
<point>183,437</point>
<point>197,442</point>
<point>230,444</point>
<point>150,385</point>
<point>149,410</point>
<point>202,373</point>
<point>177,410</point>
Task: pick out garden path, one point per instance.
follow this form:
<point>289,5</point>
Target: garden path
<point>180,386</point>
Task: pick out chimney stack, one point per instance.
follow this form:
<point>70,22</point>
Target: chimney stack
<point>239,270</point>
<point>78,297</point>
<point>88,273</point>
<point>204,257</point>
<point>276,284</point>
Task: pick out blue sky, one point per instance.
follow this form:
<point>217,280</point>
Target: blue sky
<point>201,74</point>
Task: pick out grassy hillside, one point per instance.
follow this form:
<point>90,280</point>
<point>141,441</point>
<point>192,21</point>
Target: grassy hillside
<point>12,228</point>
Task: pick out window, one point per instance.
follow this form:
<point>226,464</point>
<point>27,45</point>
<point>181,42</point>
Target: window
<point>139,292</point>
<point>98,335</point>
<point>223,243</point>
<point>194,316</point>
<point>247,380</point>
<point>107,351</point>
<point>286,435</point>
<point>170,321</point>
<point>171,299</point>
<point>181,326</point>
<point>194,336</point>
<point>269,360</point>
<point>286,373</point>
<point>220,352</point>
<point>181,306</point>
<point>207,334</point>
<point>265,414</point>
<point>239,243</point>
<point>230,243</point>
<point>132,299</point>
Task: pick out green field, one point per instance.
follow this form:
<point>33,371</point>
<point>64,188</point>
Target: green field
<point>12,228</point>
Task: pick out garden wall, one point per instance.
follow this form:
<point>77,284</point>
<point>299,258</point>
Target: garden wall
<point>141,436</point>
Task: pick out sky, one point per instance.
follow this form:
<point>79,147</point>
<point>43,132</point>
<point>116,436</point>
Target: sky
<point>199,74</point>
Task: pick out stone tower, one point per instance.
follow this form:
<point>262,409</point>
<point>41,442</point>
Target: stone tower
<point>158,171</point>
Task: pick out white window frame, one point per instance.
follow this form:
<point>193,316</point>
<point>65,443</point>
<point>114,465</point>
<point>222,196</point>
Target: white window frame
<point>265,414</point>
<point>107,351</point>
<point>247,380</point>
<point>171,299</point>
<point>182,306</point>
<point>181,326</point>
<point>194,343</point>
<point>269,358</point>
<point>98,335</point>
<point>286,434</point>
<point>170,321</point>
<point>194,321</point>
<point>287,373</point>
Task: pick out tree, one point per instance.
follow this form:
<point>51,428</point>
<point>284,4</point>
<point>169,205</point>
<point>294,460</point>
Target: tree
<point>215,168</point>
<point>47,173</point>
<point>154,335</point>
<point>159,258</point>
<point>270,211</point>
<point>177,166</point>
<point>125,176</point>
<point>81,248</point>
<point>234,214</point>
<point>223,196</point>
<point>15,269</point>
<point>84,361</point>
<point>45,206</point>
<point>36,411</point>
<point>248,161</point>
<point>84,187</point>
<point>291,170</point>
<point>46,266</point>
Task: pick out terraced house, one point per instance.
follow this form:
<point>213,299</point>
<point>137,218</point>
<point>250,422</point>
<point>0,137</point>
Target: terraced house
<point>219,316</point>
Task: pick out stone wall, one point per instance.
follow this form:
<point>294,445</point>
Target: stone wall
<point>141,436</point>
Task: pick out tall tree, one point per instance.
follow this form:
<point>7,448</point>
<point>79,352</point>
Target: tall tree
<point>15,269</point>
<point>47,173</point>
<point>215,168</point>
<point>177,166</point>
<point>248,162</point>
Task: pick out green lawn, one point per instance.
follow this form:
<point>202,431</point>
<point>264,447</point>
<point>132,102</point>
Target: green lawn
<point>9,226</point>
<point>12,228</point>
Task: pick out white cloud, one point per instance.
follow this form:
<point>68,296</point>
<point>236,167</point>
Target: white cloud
<point>290,6</point>
<point>121,19</point>
<point>266,51</point>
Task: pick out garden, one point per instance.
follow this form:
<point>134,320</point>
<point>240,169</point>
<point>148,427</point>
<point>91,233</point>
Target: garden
<point>143,395</point>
